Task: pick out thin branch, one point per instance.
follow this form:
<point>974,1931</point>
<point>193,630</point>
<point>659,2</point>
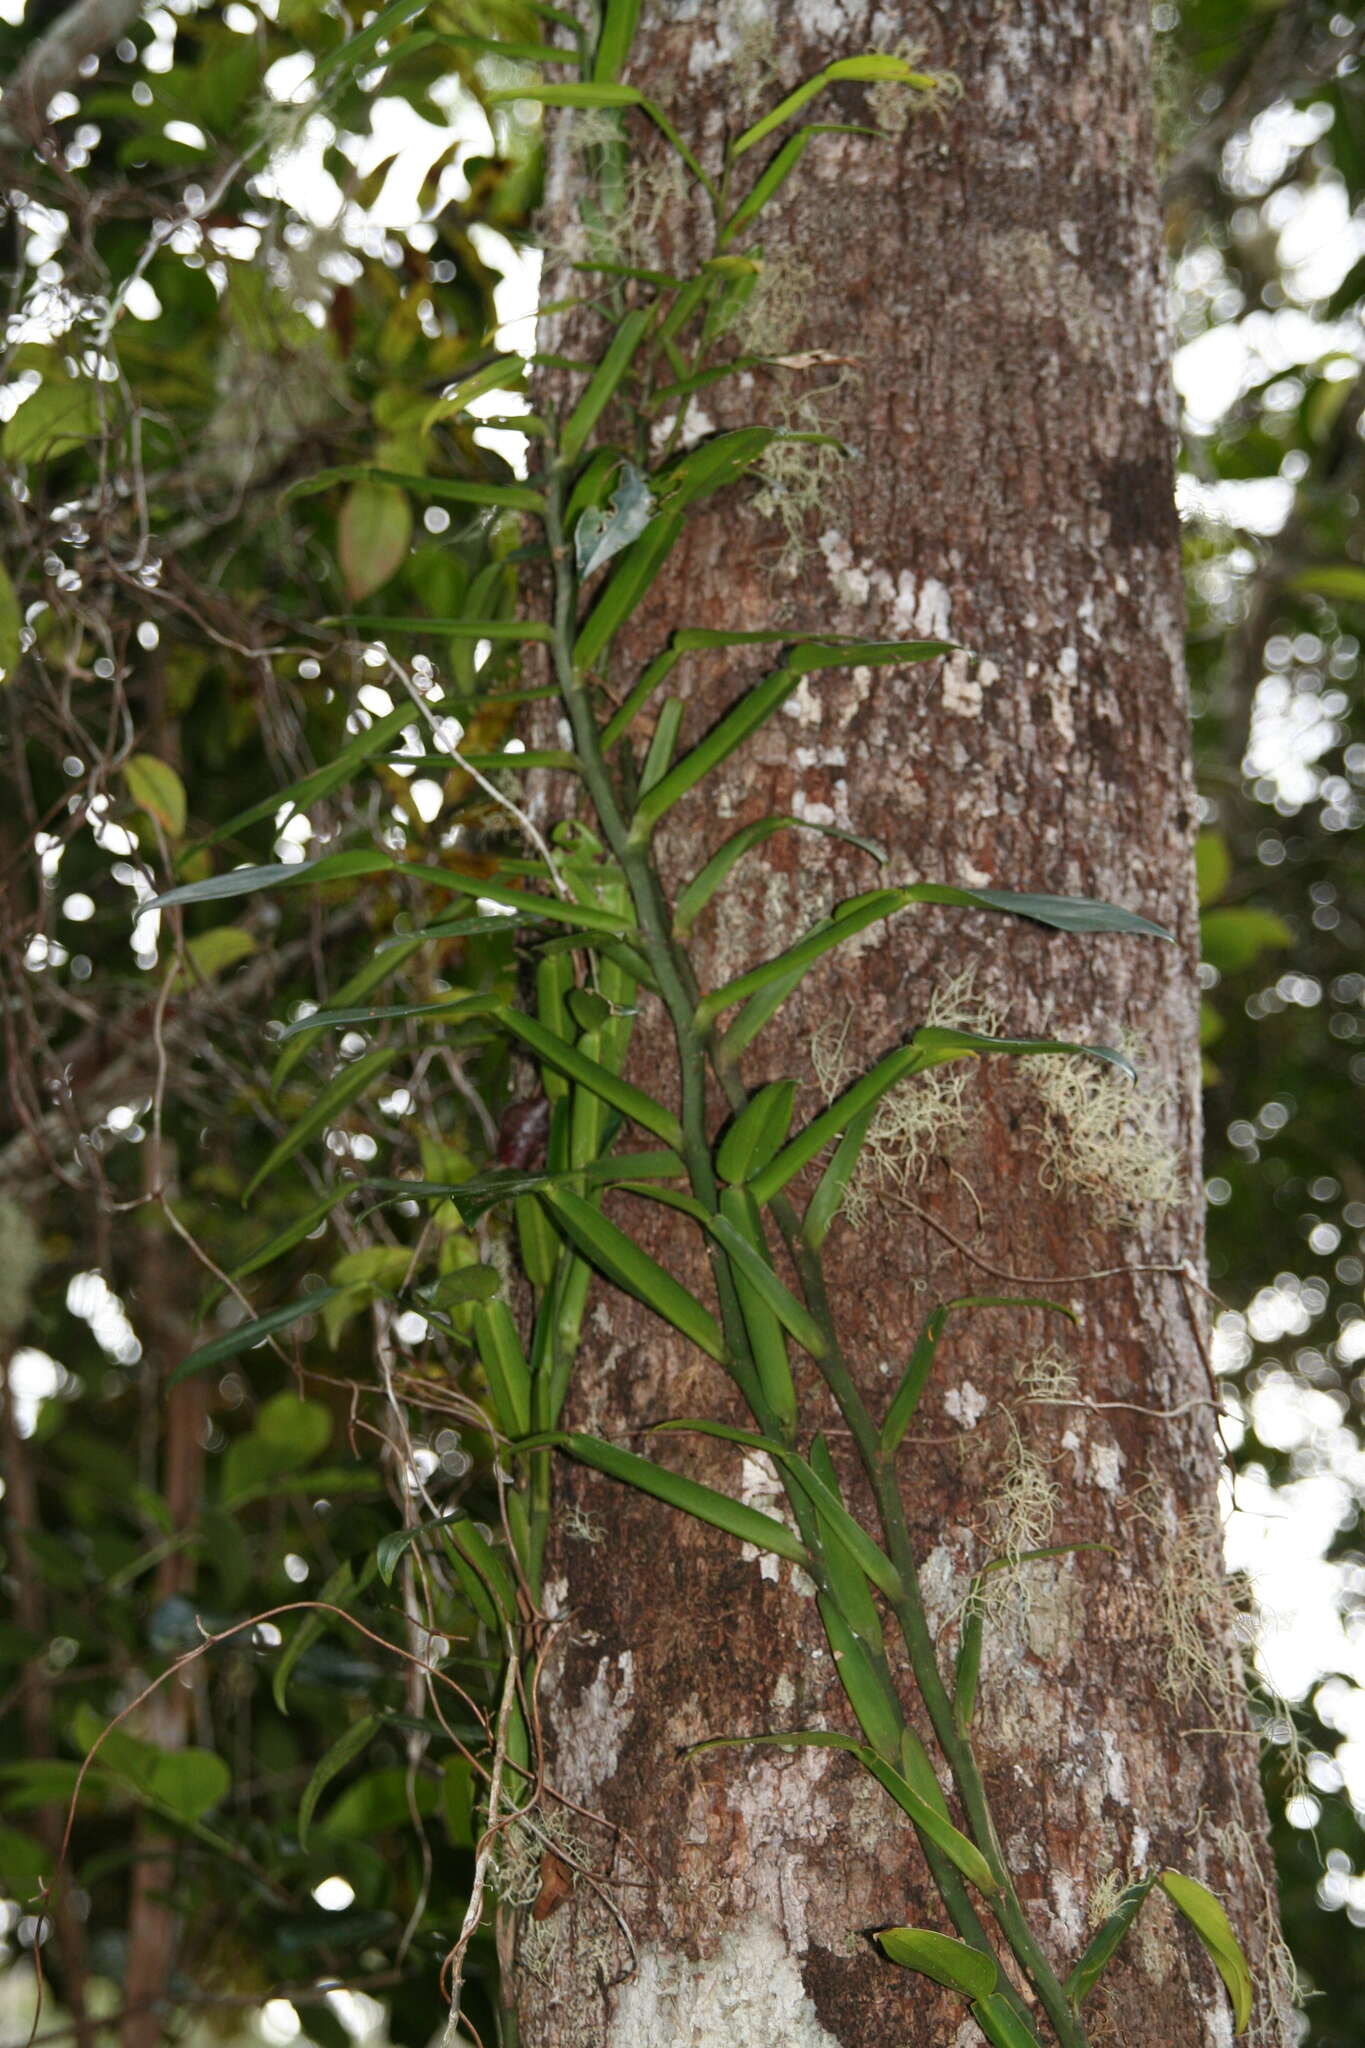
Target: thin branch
<point>55,61</point>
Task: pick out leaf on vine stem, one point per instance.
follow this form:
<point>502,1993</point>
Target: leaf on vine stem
<point>632,1269</point>
<point>347,1746</point>
<point>750,1525</point>
<point>1211,1924</point>
<point>373,531</point>
<point>948,1961</point>
<point>1110,1934</point>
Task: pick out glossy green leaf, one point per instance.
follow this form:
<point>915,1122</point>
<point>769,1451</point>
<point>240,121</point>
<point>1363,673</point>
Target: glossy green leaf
<point>956,1846</point>
<point>59,417</point>
<point>704,884</point>
<point>876,68</point>
<point>589,1073</point>
<point>909,1393</point>
<point>757,1132</point>
<point>551,909</point>
<point>339,1093</point>
<point>156,789</point>
<point>446,1009</point>
<point>343,1751</point>
<point>619,18</point>
<point>504,373</point>
<point>11,628</point>
<point>335,1592</point>
<point>749,1525</point>
<point>604,383</point>
<point>828,1197</point>
<point>350,54</point>
<point>948,1961</point>
<point>247,881</point>
<point>1107,1939</point>
<point>606,96</point>
<point>762,1324</point>
<point>188,1782</point>
<point>1209,1921</point>
<point>504,1363</point>
<point>754,708</point>
<point>293,1233</point>
<point>760,1276</point>
<point>1002,2025</point>
<point>244,1335</point>
<point>622,1260</point>
<point>1234,940</point>
<point>635,571</point>
<point>448,490</point>
<point>663,740</point>
<point>374,529</point>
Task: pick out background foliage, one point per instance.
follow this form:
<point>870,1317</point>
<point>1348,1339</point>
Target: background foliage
<point>231,273</point>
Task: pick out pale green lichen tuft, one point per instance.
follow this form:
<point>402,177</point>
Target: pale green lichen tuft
<point>21,1256</point>
<point>1105,1139</point>
<point>1104,1899</point>
<point>916,1117</point>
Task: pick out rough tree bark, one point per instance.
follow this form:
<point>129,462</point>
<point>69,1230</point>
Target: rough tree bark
<point>997,276</point>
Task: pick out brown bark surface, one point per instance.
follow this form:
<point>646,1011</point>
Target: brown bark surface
<point>997,276</point>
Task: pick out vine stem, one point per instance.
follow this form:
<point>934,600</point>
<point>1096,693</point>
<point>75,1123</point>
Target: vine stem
<point>678,989</point>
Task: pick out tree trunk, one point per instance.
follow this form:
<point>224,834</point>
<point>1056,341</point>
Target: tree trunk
<point>996,274</point>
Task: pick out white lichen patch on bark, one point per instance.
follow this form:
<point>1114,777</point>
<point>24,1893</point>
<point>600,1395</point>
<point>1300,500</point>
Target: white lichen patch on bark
<point>589,1736</point>
<point>748,1994</point>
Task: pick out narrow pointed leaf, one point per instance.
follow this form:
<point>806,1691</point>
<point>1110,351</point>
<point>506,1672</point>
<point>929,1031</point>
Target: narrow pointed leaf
<point>662,743</point>
<point>875,68</point>
<point>591,1074</point>
<point>827,1200</point>
<point>761,1322</point>
<point>602,386</point>
<point>622,1260</point>
<point>909,1393</point>
<point>447,1009</point>
<point>504,1363</point>
<point>451,490</point>
<point>750,1525</point>
<point>756,1132</point>
<point>1209,1921</point>
<point>633,575</point>
<point>504,373</point>
<point>293,1233</point>
<point>244,1335</point>
<point>385,961</point>
<point>927,1818</point>
<point>342,1752</point>
<point>338,1095</point>
<point>704,884</point>
<point>522,631</point>
<point>1106,1941</point>
<point>1002,2025</point>
<point>333,867</point>
<point>743,719</point>
<point>765,1283</point>
<point>948,1961</point>
<point>619,18</point>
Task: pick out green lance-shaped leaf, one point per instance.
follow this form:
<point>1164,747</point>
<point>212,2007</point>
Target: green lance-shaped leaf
<point>522,632</point>
<point>843,1527</point>
<point>779,168</point>
<point>1211,1924</point>
<point>968,1673</point>
<point>751,1265</point>
<point>948,1961</point>
<point>927,1817</point>
<point>873,1705</point>
<point>757,1132</point>
<point>848,1581</point>
<point>503,373</point>
<point>1106,1941</point>
<point>450,490</point>
<point>385,961</point>
<point>827,1200</point>
<point>750,1525</point>
<point>622,1260</point>
<point>336,1096</point>
<point>704,884</point>
<point>619,18</point>
<point>336,1591</point>
<point>312,788</point>
<point>282,1241</point>
<point>244,1335</point>
<point>909,1393</point>
<point>553,909</point>
<point>1084,914</point>
<point>1002,2025</point>
<point>876,68</point>
<point>452,1008</point>
<point>662,743</point>
<point>343,1751</point>
<point>504,1363</point>
<point>604,383</point>
<point>348,55</point>
<point>631,579</point>
<point>333,867</point>
<point>608,96</point>
<point>761,1322</point>
<point>566,1059</point>
<point>475,1197</point>
<point>743,719</point>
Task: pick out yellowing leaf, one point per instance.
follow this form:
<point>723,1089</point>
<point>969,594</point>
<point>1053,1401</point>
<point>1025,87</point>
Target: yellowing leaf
<point>155,788</point>
<point>213,952</point>
<point>58,417</point>
<point>372,536</point>
<point>11,620</point>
